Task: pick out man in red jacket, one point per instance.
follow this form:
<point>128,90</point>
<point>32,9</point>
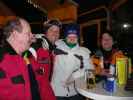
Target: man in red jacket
<point>42,51</point>
<point>14,78</point>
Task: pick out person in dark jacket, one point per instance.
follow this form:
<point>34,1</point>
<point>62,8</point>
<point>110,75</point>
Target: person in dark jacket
<point>104,58</point>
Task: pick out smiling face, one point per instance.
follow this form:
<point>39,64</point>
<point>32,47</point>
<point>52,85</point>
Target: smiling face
<point>106,41</point>
<point>72,39</point>
<point>53,33</point>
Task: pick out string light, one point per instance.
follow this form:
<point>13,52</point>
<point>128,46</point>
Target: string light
<point>33,4</point>
<point>36,6</point>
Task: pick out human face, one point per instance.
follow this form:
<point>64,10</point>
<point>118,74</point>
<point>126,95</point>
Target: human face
<point>53,33</point>
<point>24,38</point>
<point>72,38</point>
<point>106,41</point>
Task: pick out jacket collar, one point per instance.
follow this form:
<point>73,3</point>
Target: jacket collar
<point>7,48</point>
<point>62,45</point>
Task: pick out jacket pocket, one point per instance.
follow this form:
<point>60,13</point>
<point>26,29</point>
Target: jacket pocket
<point>18,79</point>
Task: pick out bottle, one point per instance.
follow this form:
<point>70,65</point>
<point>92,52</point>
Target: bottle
<point>110,84</point>
<point>121,70</point>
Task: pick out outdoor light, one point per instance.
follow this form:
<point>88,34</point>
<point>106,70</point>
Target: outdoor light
<point>126,25</point>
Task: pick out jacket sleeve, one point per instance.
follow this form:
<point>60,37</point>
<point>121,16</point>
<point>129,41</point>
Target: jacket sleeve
<point>59,52</point>
<point>87,63</point>
<point>86,59</point>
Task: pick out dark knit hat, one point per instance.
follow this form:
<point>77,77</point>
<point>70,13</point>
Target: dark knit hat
<point>49,23</point>
<point>72,29</point>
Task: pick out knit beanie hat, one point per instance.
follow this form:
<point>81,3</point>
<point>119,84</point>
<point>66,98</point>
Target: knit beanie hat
<point>49,23</point>
<point>72,29</point>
